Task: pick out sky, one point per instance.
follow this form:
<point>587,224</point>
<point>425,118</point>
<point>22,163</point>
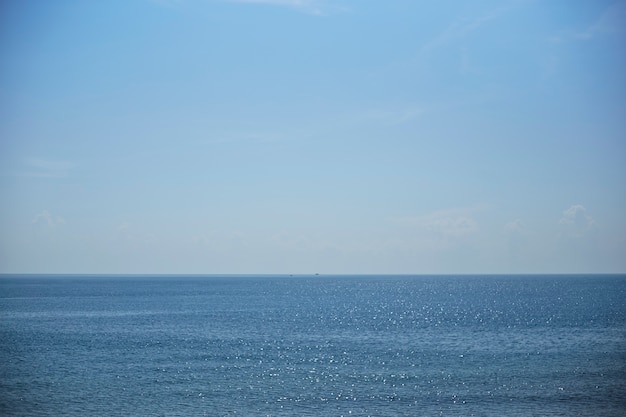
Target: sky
<point>313,136</point>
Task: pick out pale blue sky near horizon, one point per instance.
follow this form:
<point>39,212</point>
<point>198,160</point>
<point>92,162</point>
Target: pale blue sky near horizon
<point>303,136</point>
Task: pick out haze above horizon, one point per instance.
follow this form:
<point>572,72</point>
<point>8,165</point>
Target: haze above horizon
<point>312,136</point>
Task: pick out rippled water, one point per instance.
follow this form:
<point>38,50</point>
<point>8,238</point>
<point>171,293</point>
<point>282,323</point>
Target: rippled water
<point>313,346</point>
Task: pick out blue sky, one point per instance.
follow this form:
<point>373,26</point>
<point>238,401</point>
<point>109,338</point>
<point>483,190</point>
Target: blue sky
<point>302,136</point>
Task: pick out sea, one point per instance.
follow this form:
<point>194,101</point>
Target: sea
<point>501,345</point>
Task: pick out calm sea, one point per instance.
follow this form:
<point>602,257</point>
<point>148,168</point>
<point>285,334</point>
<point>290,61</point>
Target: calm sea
<point>313,346</point>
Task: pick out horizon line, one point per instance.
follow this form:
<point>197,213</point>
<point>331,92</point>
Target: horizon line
<point>130,275</point>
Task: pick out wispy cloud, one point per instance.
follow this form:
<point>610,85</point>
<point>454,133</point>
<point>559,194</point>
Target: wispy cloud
<point>166,3</point>
<point>244,138</point>
<point>44,168</point>
<point>395,116</point>
<point>459,29</point>
<point>450,224</point>
<point>550,66</point>
<point>611,21</point>
<point>463,27</point>
<point>313,7</point>
<point>307,6</point>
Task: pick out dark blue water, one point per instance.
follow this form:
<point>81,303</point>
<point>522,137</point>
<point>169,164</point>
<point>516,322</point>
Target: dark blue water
<point>313,346</point>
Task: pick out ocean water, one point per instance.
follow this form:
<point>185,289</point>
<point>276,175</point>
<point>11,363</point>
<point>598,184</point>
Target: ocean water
<point>313,346</point>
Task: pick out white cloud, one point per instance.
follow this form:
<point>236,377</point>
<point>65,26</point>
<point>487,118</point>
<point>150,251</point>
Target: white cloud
<point>43,218</point>
<point>123,231</point>
<point>576,222</point>
<point>516,227</point>
<point>46,219</point>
